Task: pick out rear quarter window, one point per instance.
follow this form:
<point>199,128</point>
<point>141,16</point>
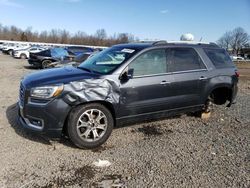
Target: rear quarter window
<point>219,58</point>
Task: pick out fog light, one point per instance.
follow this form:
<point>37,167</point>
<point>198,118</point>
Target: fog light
<point>36,122</point>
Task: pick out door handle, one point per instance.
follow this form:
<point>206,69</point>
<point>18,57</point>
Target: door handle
<point>203,78</point>
<point>164,82</point>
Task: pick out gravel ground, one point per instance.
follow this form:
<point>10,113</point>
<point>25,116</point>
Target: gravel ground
<point>182,151</point>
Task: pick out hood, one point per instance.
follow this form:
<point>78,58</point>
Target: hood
<point>56,76</point>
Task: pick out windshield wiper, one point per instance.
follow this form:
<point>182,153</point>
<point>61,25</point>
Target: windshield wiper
<point>83,68</point>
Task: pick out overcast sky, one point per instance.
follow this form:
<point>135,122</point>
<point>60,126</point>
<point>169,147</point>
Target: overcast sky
<point>155,19</point>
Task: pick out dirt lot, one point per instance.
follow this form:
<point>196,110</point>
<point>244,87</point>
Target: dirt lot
<point>176,152</point>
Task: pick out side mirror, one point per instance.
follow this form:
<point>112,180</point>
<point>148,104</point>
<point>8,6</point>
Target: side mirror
<point>127,74</point>
<point>130,73</point>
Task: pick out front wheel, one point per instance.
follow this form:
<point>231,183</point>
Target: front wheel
<point>90,125</point>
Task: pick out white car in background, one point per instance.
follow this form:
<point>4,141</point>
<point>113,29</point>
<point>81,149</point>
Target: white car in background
<point>2,45</point>
<point>237,58</point>
<point>9,49</point>
<point>25,53</point>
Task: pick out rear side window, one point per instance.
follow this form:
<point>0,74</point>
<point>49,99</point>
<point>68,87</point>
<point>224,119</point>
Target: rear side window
<point>184,59</point>
<point>219,58</point>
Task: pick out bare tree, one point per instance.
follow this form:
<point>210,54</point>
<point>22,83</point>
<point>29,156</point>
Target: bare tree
<point>43,37</point>
<point>101,34</point>
<point>100,38</point>
<point>64,37</point>
<point>240,39</point>
<point>234,40</point>
<point>24,37</point>
<point>225,40</point>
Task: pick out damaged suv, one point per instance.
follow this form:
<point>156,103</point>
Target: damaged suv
<point>126,82</point>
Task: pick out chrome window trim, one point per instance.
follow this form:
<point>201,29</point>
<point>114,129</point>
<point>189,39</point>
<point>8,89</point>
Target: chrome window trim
<point>149,75</point>
<point>169,73</point>
<point>189,71</point>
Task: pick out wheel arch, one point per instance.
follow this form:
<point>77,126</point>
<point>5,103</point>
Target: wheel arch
<point>220,94</point>
<point>24,55</point>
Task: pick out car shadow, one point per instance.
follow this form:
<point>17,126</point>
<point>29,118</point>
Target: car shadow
<point>31,67</point>
<point>12,116</point>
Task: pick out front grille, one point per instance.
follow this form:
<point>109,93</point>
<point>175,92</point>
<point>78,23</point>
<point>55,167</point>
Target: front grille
<point>21,94</point>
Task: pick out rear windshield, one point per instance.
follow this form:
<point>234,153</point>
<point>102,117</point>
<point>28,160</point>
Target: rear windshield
<point>219,58</point>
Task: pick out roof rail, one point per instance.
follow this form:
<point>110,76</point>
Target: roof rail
<point>194,42</point>
<point>187,42</point>
<point>214,44</point>
<point>160,42</point>
<point>164,42</point>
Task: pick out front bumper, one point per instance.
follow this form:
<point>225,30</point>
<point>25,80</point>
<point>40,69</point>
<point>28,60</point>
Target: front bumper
<point>5,52</point>
<point>35,62</point>
<point>46,119</point>
<point>16,55</point>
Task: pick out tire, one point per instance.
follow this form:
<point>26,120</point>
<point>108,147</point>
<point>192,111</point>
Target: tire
<point>46,64</point>
<point>90,125</point>
<point>10,52</point>
<point>23,56</point>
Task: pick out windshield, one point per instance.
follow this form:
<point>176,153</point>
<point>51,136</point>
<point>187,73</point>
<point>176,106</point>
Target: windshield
<point>107,60</point>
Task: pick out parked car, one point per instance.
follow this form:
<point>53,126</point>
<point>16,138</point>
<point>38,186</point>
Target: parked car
<point>25,53</point>
<point>45,58</point>
<point>76,61</point>
<point>237,58</point>
<point>77,50</point>
<point>1,45</point>
<point>9,49</point>
<point>124,83</point>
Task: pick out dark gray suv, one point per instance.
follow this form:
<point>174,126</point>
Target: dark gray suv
<point>126,82</point>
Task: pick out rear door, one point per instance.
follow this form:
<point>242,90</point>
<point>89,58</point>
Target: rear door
<point>189,76</point>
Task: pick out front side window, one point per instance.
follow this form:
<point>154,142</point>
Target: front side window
<point>150,63</point>
<point>33,49</point>
<point>184,59</point>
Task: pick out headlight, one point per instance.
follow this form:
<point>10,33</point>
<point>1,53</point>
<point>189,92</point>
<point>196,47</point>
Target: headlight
<point>46,92</point>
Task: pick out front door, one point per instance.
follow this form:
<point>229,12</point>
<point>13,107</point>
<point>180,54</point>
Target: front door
<point>147,91</point>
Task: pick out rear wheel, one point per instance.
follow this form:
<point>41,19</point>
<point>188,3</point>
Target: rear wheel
<point>90,125</point>
<point>46,64</point>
